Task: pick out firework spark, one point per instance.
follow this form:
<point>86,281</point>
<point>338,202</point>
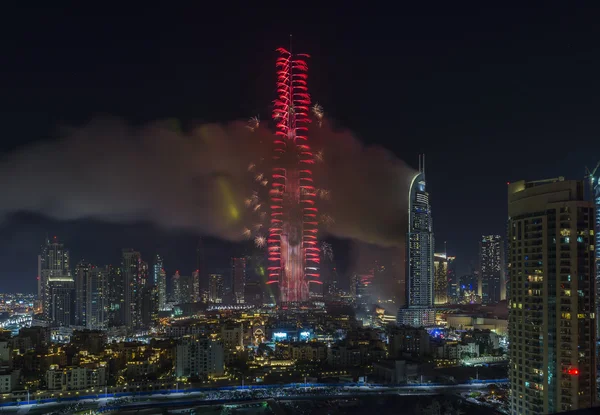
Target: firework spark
<point>320,156</point>
<point>251,167</point>
<point>259,177</point>
<point>324,194</point>
<point>247,232</point>
<point>317,111</point>
<point>327,219</point>
<point>260,241</point>
<point>253,123</point>
<point>264,183</point>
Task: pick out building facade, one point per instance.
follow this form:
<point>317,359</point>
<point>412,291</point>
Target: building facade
<point>551,326</point>
<point>440,275</point>
<point>53,265</point>
<point>419,309</point>
<point>491,286</point>
<point>215,288</point>
<point>238,273</point>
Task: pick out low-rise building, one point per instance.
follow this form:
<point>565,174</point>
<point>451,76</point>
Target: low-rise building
<point>9,380</point>
<point>201,358</point>
<point>395,371</point>
<point>75,378</point>
<point>312,351</point>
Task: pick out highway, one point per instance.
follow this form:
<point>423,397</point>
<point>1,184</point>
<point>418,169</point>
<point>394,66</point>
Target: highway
<point>103,403</point>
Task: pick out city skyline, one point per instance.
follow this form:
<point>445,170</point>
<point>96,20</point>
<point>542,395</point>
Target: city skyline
<point>189,214</point>
<point>456,144</point>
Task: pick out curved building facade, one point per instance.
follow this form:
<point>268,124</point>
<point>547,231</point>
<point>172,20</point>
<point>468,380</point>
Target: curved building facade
<point>419,309</point>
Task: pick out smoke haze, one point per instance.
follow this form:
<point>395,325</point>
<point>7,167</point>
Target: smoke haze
<point>197,180</point>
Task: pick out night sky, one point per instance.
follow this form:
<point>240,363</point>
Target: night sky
<point>490,95</point>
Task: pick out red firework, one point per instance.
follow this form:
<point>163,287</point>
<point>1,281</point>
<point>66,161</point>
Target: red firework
<point>293,251</point>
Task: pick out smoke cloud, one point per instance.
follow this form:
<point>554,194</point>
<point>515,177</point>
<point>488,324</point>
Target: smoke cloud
<point>197,180</point>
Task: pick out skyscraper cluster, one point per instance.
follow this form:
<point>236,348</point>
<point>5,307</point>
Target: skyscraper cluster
<point>128,295</point>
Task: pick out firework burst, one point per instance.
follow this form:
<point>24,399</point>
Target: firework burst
<point>317,111</point>
<point>260,241</point>
<point>253,123</point>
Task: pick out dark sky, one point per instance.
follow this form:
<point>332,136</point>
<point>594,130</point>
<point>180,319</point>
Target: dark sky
<point>489,94</point>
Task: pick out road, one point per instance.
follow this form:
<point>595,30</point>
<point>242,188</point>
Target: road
<point>240,394</point>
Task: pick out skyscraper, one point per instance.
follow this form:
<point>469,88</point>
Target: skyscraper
<point>492,284</point>
<point>293,249</point>
<point>594,189</point>
<point>61,304</point>
<point>552,316</point>
<point>196,297</point>
<point>159,277</point>
<point>53,265</point>
<point>132,271</point>
<point>453,281</point>
<point>440,275</point>
<point>328,272</point>
<point>82,275</point>
<point>215,288</point>
<point>238,274</point>
<point>97,298</point>
<point>419,256</point>
<point>116,296</point>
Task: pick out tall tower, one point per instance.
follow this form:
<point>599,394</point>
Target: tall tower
<point>97,298</point>
<point>551,322</point>
<point>594,195</point>
<point>440,275</point>
<point>238,271</point>
<point>82,276</point>
<point>491,285</point>
<point>293,250</point>
<point>132,274</point>
<point>419,256</point>
<point>54,271</point>
<point>159,278</point>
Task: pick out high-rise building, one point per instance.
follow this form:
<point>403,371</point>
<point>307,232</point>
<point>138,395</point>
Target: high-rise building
<point>116,296</point>
<point>53,264</point>
<point>453,281</point>
<point>594,194</point>
<point>552,309</point>
<point>97,297</point>
<point>293,249</point>
<point>176,283</point>
<point>82,275</point>
<point>419,310</point>
<point>184,288</point>
<point>133,269</point>
<point>196,294</point>
<point>238,275</point>
<point>440,279</point>
<point>491,286</point>
<point>215,288</point>
<point>159,277</point>
<point>328,272</point>
<point>364,289</point>
<point>61,295</point>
